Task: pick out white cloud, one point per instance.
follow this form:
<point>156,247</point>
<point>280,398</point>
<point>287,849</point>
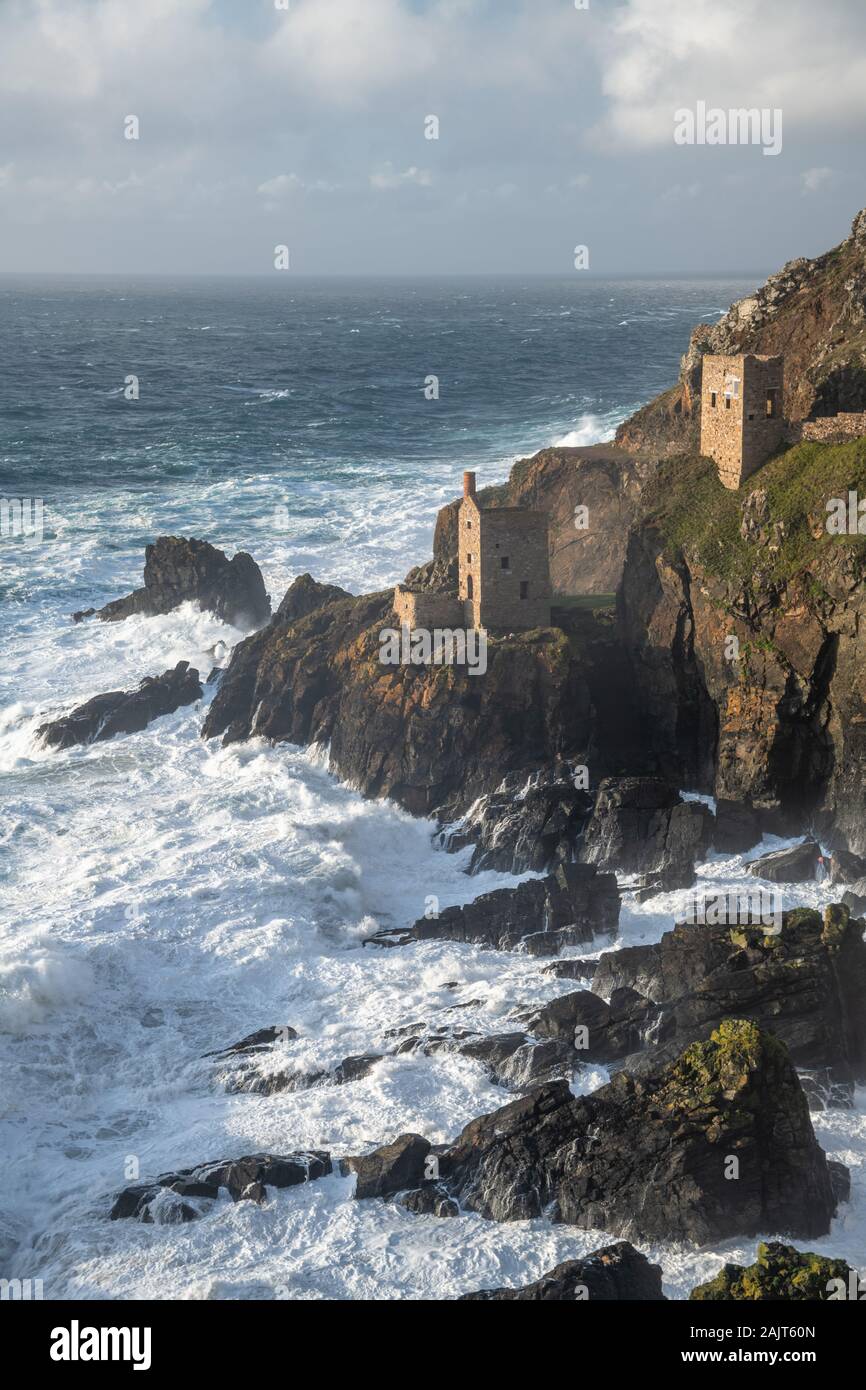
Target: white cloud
<point>280,185</point>
<point>742,53</point>
<point>814,179</point>
<point>388,177</point>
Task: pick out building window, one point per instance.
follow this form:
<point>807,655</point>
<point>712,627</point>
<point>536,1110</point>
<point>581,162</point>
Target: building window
<point>469,559</point>
<point>771,403</point>
<point>504,562</point>
<point>524,588</point>
<point>751,414</point>
<point>714,396</point>
<point>727,402</point>
<point>469,587</point>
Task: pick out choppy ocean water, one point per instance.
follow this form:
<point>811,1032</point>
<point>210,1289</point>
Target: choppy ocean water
<point>161,897</point>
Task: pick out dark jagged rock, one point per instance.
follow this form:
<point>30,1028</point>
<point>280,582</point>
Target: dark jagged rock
<point>647,1158</point>
<point>82,613</point>
<point>572,969</point>
<point>595,1030</point>
<point>179,570</point>
<point>737,827</point>
<point>855,898</point>
<point>391,1168</point>
<point>306,595</point>
<point>795,865</point>
<point>511,1060</point>
<point>840,1180</point>
<point>568,907</point>
<point>614,1273</point>
<point>245,1179</point>
<point>429,1200</point>
<point>271,1083</point>
<point>532,822</point>
<point>806,984</point>
<point>782,1274</point>
<point>124,711</point>
<point>846,867</point>
<point>642,825</point>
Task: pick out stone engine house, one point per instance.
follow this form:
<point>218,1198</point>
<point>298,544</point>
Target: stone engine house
<point>503,572</point>
<point>503,564</point>
<point>741,413</point>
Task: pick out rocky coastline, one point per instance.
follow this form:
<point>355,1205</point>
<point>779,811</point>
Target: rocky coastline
<point>610,753</point>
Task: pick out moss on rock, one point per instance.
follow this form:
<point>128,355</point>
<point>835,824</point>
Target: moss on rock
<point>779,1273</point>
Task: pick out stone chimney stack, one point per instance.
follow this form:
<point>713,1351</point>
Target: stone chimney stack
<point>468,484</point>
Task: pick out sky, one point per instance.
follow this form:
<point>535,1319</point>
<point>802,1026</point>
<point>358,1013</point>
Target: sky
<point>305,124</point>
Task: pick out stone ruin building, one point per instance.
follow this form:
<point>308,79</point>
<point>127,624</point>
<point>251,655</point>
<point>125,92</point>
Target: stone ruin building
<point>503,572</point>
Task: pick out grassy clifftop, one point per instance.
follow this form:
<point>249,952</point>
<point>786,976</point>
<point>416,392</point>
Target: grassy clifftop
<point>783,535</point>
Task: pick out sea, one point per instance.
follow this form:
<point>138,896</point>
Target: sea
<point>162,897</point>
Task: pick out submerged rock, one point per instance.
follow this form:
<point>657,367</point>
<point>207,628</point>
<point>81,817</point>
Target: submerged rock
<point>179,570</point>
<point>124,711</point>
<point>569,907</point>
<point>653,1158</point>
<point>605,1276</point>
<point>245,1179</point>
<point>260,1041</point>
<point>781,1273</point>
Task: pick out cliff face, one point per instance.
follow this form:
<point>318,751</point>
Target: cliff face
<point>812,311</point>
<point>745,624</point>
<point>428,736</point>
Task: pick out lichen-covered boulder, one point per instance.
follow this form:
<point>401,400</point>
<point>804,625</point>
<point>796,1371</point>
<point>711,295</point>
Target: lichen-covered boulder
<point>780,1273</point>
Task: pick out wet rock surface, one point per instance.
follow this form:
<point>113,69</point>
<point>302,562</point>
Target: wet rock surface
<point>177,1196</point>
<point>796,865</point>
<point>806,984</point>
<point>569,907</point>
<point>642,825</point>
<point>531,823</point>
<point>607,1275</point>
<point>124,711</point>
<point>646,1158</point>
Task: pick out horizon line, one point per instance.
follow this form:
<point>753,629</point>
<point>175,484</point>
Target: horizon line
<point>389,275</point>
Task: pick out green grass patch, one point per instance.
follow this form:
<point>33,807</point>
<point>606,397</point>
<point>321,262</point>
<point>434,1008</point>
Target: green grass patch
<point>587,603</point>
<point>702,519</point>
